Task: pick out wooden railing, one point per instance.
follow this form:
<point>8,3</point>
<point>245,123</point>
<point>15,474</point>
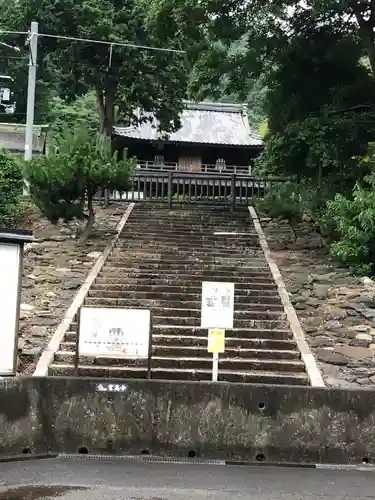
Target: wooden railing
<point>151,166</point>
<point>178,187</point>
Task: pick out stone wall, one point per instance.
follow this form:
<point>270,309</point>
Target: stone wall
<point>231,422</point>
<point>54,268</point>
<point>336,310</point>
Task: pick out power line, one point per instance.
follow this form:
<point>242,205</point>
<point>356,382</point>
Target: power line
<point>100,42</point>
<point>118,44</point>
<point>10,46</point>
<point>14,32</point>
<point>32,42</point>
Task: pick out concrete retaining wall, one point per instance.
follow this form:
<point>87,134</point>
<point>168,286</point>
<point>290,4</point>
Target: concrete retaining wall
<point>232,422</point>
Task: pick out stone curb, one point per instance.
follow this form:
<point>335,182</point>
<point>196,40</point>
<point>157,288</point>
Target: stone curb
<point>313,371</point>
<point>48,354</point>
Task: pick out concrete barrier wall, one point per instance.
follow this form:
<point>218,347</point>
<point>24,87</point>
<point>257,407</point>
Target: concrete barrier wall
<point>231,422</point>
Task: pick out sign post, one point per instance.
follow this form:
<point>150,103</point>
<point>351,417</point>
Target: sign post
<point>216,315</point>
<point>12,243</point>
<point>216,345</point>
<point>114,333</point>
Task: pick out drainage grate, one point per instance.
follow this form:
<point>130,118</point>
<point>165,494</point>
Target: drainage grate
<point>143,458</point>
<point>198,461</point>
<point>357,467</point>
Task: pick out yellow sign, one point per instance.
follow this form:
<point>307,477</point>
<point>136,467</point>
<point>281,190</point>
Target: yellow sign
<point>216,341</point>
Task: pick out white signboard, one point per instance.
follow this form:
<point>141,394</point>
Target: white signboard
<point>217,305</point>
<point>114,333</point>
<point>9,300</point>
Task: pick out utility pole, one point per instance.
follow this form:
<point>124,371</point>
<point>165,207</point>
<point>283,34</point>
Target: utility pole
<point>33,54</point>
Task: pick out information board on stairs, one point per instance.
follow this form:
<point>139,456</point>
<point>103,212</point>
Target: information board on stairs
<point>114,333</point>
<point>217,314</point>
<point>217,305</point>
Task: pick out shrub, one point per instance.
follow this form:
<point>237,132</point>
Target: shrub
<point>81,163</point>
<point>354,223</point>
<point>11,186</point>
<point>283,202</point>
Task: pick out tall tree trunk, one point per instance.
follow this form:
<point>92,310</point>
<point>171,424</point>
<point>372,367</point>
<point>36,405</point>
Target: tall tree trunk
<point>90,220</point>
<point>366,30</point>
<point>106,102</point>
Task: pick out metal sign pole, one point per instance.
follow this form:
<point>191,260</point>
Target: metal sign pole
<point>76,357</point>
<point>215,366</point>
<point>216,345</point>
<point>150,345</point>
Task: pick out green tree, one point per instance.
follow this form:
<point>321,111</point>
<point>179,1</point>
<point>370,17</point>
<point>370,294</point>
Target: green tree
<point>64,183</point>
<point>217,75</point>
<point>123,78</point>
<point>82,112</point>
<point>266,26</point>
<point>15,64</point>
<point>321,110</point>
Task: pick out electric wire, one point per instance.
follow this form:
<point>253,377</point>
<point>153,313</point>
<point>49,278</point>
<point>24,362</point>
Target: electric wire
<point>89,40</point>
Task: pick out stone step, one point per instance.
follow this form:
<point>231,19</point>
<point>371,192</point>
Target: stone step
<point>194,222</point>
<point>252,333</point>
<point>257,266</point>
<point>183,250</point>
<point>268,296</point>
<point>225,363</point>
<point>174,274</point>
<point>186,210</point>
<point>199,230</point>
<point>188,238</point>
<point>144,257</point>
<point>226,232</point>
<point>254,377</point>
<point>181,214</point>
<point>179,300</point>
<point>180,281</point>
<point>185,241</point>
<point>196,215</point>
<point>238,323</point>
<point>174,353</point>
<point>182,312</point>
<point>202,224</point>
<point>157,305</point>
<point>243,235</point>
<point>201,342</point>
<point>191,254</point>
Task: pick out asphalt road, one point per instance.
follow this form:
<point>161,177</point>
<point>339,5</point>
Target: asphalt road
<point>127,480</point>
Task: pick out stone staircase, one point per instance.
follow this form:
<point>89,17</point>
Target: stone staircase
<point>159,263</point>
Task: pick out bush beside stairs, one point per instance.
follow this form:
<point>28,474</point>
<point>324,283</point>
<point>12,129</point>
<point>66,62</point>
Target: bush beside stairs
<point>159,262</point>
